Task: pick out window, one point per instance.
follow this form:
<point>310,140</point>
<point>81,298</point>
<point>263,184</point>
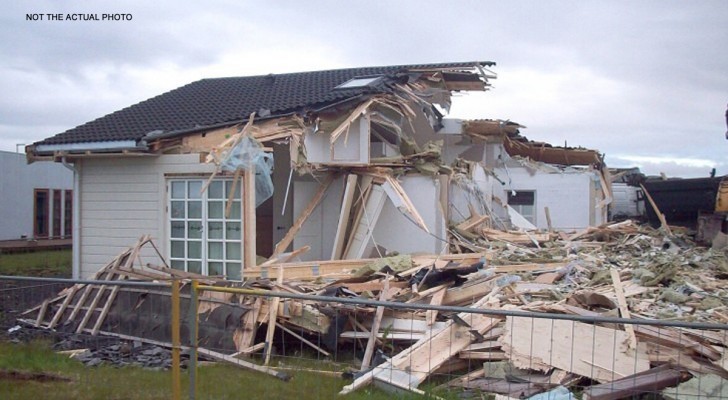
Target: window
<point>57,195</point>
<point>40,213</point>
<point>202,238</point>
<point>524,202</point>
<point>359,82</point>
<point>68,213</point>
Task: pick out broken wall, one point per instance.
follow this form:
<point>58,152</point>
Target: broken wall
<point>571,195</point>
<point>395,232</point>
<point>319,229</point>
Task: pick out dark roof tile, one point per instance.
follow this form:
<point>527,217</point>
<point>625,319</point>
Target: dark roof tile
<point>215,101</point>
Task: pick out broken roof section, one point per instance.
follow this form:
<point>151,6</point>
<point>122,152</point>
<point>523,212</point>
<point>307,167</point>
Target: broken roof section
<point>221,102</point>
<point>517,145</point>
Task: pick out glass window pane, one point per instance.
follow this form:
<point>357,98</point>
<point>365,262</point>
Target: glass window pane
<point>178,229</point>
<point>194,209</point>
<point>177,264</point>
<point>214,251</point>
<point>233,271</point>
<point>235,210</point>
<point>178,190</point>
<point>194,266</point>
<point>215,209</point>
<point>229,187</point>
<point>232,250</point>
<point>194,250</point>
<point>193,191</point>
<point>178,209</point>
<point>215,268</point>
<point>178,249</point>
<point>232,230</point>
<point>214,230</point>
<point>214,191</point>
<point>194,229</point>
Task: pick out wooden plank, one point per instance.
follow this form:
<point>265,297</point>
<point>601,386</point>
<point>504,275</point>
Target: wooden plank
<point>42,312</point>
<point>548,218</point>
<point>428,353</point>
<point>91,307</point>
<point>444,195</point>
<point>272,316</point>
<point>249,226</point>
<point>483,355</point>
<point>105,310</point>
<point>64,305</point>
<point>623,308</point>
<point>369,351</point>
<point>288,238</point>
<point>660,215</point>
<point>472,222</point>
<point>437,297</point>
<point>677,340</point>
<point>588,350</point>
<point>343,224</point>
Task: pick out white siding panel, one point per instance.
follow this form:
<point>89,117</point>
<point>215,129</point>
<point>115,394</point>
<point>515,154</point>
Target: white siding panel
<point>123,199</point>
<point>120,223</point>
<point>116,205</point>
<point>110,187</point>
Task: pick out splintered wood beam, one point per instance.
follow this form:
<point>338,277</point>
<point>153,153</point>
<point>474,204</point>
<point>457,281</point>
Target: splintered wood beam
<point>249,224</point>
<point>286,241</point>
<point>375,327</point>
<point>272,316</point>
<point>346,202</point>
<point>660,215</point>
<point>623,308</point>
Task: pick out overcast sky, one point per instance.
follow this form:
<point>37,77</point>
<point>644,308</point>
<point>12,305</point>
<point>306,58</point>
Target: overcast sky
<point>645,82</point>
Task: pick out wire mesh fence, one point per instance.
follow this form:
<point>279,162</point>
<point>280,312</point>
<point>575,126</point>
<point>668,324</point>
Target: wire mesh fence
<point>318,347</point>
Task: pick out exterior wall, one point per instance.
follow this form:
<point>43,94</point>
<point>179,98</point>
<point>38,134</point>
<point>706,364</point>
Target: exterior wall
<point>122,199</point>
<point>17,182</point>
<point>319,230</point>
<point>395,232</point>
<point>570,196</point>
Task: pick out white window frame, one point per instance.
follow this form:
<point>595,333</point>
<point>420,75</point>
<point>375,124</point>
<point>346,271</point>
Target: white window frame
<point>211,211</point>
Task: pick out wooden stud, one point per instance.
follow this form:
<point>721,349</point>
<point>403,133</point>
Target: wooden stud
<point>375,327</point>
<point>272,316</point>
<point>344,216</point>
<point>623,308</point>
<point>249,224</point>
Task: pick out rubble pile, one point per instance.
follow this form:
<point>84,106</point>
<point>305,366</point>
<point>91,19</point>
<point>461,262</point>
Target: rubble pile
<point>616,270</point>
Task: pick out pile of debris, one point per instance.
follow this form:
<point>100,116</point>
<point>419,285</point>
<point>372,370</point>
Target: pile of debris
<point>618,270</point>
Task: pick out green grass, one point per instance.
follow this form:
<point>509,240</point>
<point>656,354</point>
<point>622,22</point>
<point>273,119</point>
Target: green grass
<point>52,263</point>
<point>218,381</point>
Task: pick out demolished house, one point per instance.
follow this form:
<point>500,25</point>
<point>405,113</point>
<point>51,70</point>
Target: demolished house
<point>353,184</point>
<point>352,163</point>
